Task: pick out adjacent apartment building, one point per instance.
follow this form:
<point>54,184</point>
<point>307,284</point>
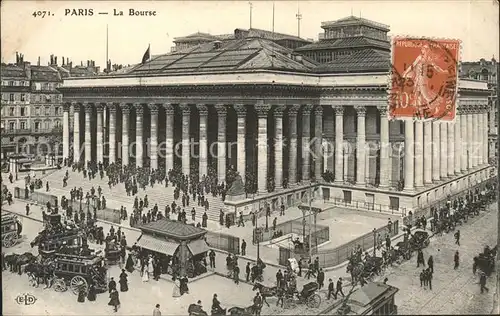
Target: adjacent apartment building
<point>31,104</point>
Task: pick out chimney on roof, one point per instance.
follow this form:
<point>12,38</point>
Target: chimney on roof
<point>63,61</point>
<point>17,58</point>
<point>217,44</point>
<point>55,60</point>
<point>38,63</point>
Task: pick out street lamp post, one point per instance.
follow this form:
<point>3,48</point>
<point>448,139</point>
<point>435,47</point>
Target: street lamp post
<point>374,241</point>
<point>310,219</point>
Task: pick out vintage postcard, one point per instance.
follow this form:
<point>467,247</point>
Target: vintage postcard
<point>249,157</point>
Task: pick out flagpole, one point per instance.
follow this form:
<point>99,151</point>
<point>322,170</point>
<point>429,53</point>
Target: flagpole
<point>107,48</point>
<point>272,56</point>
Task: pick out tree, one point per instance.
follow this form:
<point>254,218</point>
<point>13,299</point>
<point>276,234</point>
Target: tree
<point>55,139</point>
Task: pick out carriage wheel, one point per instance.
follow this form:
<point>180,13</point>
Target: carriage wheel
<point>288,303</point>
<point>9,240</point>
<point>76,283</point>
<point>314,301</point>
<point>60,286</point>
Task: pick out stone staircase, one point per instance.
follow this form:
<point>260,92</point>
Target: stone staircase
<point>117,196</point>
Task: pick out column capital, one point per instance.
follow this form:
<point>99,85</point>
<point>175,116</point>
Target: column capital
<point>76,105</point>
<point>202,109</point>
<point>262,109</point>
<point>112,107</point>
<point>66,106</point>
<point>278,110</point>
<point>88,107</point>
<point>139,109</point>
<point>318,110</point>
<point>382,110</point>
<point>153,108</point>
<point>293,110</point>
<point>306,110</point>
<point>169,108</point>
<point>125,108</point>
<point>360,110</point>
<point>99,107</point>
<point>186,110</point>
<point>241,109</point>
<point>339,109</point>
<point>221,109</point>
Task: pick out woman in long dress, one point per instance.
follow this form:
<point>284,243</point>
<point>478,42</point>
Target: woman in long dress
<point>91,296</point>
<point>123,281</point>
<point>150,265</point>
<point>177,288</point>
<point>145,274</point>
<point>114,300</point>
<point>129,266</point>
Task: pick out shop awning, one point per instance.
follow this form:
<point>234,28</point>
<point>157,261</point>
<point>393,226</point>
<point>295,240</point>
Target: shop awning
<point>157,244</point>
<point>198,246</point>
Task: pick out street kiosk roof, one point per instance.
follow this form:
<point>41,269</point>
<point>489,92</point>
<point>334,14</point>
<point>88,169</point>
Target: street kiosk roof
<point>173,229</point>
<point>157,244</point>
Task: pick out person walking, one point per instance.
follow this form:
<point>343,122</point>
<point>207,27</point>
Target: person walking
<point>429,279</point>
<point>422,278</point>
<point>457,237</point>
<point>211,256</point>
<point>156,311</point>
<point>331,289</point>
<point>420,258</point>
<point>243,247</point>
<point>482,282</point>
<point>114,300</point>
<point>112,285</point>
<point>430,264</point>
<point>257,304</point>
<point>320,278</point>
<point>123,281</point>
<point>247,271</point>
<point>339,288</point>
<point>236,274</point>
<point>27,209</point>
<point>457,260</point>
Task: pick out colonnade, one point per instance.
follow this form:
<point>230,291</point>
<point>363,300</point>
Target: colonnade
<point>434,150</point>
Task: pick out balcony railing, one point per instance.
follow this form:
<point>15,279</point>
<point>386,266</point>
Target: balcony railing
<point>30,131</point>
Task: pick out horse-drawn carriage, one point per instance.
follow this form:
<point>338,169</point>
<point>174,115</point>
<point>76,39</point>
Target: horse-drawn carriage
<point>112,253</point>
<point>419,239</point>
<point>11,229</point>
<point>73,271</point>
<point>485,261</point>
<point>365,269</point>
<point>308,296</point>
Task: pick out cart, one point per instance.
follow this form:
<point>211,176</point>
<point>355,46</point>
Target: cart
<point>11,229</point>
<point>307,296</point>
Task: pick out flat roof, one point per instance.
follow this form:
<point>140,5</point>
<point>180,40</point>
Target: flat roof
<point>172,229</point>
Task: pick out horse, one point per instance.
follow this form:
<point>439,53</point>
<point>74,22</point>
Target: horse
<point>265,291</point>
<point>356,270</point>
<point>239,311</point>
<point>11,260</point>
<point>37,271</point>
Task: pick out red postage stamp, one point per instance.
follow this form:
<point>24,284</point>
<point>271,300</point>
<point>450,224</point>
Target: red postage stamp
<point>424,78</point>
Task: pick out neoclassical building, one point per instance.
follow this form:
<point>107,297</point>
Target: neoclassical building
<point>281,120</point>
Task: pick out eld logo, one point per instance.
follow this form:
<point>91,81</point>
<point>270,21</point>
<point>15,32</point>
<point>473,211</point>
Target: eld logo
<point>26,299</point>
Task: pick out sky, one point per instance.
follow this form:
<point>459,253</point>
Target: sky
<point>83,38</point>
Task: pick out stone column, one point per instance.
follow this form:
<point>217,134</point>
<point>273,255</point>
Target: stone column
<point>470,131</point>
<point>66,130</point>
<point>384,147</point>
<point>485,135</point>
<point>292,163</point>
<point>419,154</point>
<point>318,142</point>
<point>112,132</point>
<point>186,156</point>
<point>125,141</point>
<point>139,112</point>
<point>475,137</point>
<point>278,147</point>
<point>339,143</point>
<point>153,110</point>
<point>76,132</point>
<point>451,148</point>
<point>427,152</point>
<point>169,136</point>
<point>100,134</point>
<point>361,144</point>
<point>262,110</point>
<point>444,150</point>
<point>221,142</point>
<point>203,169</point>
<point>88,138</point>
<point>458,144</point>
<point>409,157</point>
<point>463,133</point>
<point>436,152</point>
<point>306,142</point>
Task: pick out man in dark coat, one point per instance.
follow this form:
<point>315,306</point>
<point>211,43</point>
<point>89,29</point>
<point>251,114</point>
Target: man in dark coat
<point>320,278</point>
<point>243,247</point>
<point>111,285</point>
<point>339,288</point>
<point>430,264</point>
<point>123,281</point>
<point>420,258</point>
<point>211,256</point>
<point>482,282</point>
<point>204,220</point>
<point>456,259</point>
<point>331,289</point>
<point>247,271</point>
<point>257,303</point>
<point>236,274</point>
